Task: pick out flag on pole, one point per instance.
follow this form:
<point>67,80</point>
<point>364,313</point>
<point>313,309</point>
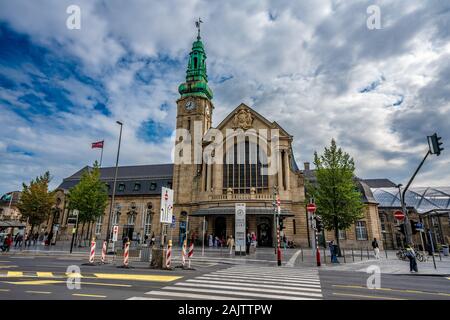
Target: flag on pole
<point>98,144</point>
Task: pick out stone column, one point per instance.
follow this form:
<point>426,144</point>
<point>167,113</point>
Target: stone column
<point>208,182</point>
<point>286,169</point>
<point>280,171</point>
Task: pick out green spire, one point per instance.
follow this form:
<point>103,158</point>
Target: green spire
<point>196,77</point>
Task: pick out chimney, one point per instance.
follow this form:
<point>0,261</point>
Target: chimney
<point>306,164</point>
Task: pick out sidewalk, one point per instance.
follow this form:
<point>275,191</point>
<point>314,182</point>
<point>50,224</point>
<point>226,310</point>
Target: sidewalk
<point>393,265</point>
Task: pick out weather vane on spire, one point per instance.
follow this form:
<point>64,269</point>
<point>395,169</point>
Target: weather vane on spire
<point>197,24</point>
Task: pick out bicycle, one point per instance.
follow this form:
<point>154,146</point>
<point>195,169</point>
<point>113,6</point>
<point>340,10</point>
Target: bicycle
<point>401,254</point>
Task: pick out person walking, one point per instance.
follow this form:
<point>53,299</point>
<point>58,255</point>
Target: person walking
<point>333,252</point>
<point>247,243</point>
<point>412,259</point>
<point>376,248</point>
<point>7,243</point>
<point>210,240</point>
<point>230,244</point>
<point>284,241</point>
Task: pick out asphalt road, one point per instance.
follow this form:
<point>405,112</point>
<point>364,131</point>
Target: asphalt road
<point>32,277</point>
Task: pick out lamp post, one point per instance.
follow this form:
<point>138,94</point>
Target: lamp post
<point>109,231</point>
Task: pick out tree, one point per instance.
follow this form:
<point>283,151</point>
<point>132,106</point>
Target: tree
<point>89,196</point>
<point>36,201</point>
<point>336,194</point>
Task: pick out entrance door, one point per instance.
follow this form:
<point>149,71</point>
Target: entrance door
<point>264,235</point>
<point>220,227</point>
<point>128,232</point>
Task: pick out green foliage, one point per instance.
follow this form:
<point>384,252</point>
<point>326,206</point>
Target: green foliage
<point>36,201</point>
<point>89,196</point>
<point>336,194</point>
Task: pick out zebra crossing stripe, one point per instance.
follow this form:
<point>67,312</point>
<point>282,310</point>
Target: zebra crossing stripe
<point>239,288</point>
<point>267,276</point>
<point>236,293</point>
<point>185,295</point>
<point>255,285</point>
<point>297,275</point>
<point>245,279</point>
<point>303,280</point>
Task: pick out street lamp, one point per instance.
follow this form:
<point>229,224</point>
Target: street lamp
<point>108,235</point>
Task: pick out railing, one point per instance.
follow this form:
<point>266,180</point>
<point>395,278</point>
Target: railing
<point>241,196</point>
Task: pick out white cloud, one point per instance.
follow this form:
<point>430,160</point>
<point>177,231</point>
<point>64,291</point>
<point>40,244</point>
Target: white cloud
<point>300,64</point>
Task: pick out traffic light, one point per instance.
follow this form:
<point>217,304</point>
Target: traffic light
<point>319,224</point>
<point>413,227</point>
<point>281,221</point>
<point>434,143</point>
<point>401,228</point>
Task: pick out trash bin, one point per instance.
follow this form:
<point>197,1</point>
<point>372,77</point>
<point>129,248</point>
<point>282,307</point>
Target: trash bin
<point>445,250</point>
<point>145,254</point>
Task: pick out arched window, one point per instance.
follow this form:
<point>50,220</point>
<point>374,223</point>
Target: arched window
<point>242,168</point>
<point>195,63</point>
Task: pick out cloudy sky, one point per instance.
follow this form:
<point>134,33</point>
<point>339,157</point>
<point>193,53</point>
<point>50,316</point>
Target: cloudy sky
<point>312,66</point>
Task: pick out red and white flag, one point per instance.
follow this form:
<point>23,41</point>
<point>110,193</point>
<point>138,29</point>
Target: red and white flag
<point>98,144</point>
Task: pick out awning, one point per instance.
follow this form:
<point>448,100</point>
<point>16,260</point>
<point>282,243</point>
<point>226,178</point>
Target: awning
<point>13,224</point>
<point>217,211</point>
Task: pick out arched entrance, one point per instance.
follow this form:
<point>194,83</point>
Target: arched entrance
<point>264,230</point>
<point>220,227</point>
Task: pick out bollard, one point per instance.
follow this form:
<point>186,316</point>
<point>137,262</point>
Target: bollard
<point>104,252</point>
<point>353,255</point>
<point>343,252</point>
<point>92,252</point>
<point>169,254</point>
<point>125,254</point>
<point>386,253</point>
<point>301,250</point>
<point>368,257</point>
<point>361,254</point>
<point>183,254</point>
<point>190,254</point>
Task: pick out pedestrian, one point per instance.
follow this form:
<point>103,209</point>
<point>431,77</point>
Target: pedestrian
<point>230,244</point>
<point>35,238</point>
<point>376,248</point>
<point>153,240</point>
<point>284,241</point>
<point>124,241</point>
<point>7,243</point>
<point>412,259</point>
<point>333,252</point>
<point>16,239</point>
<point>210,240</point>
<point>247,243</point>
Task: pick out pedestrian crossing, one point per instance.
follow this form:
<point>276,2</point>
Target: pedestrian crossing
<point>244,283</point>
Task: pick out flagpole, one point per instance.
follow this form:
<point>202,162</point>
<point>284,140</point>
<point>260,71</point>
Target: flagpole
<point>101,155</point>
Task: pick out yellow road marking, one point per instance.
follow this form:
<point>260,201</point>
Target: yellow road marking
<point>137,277</point>
<point>73,275</point>
<point>45,274</point>
<point>365,296</point>
<point>5,267</point>
<point>41,292</point>
<point>12,274</point>
<point>34,282</point>
<point>393,290</point>
<point>88,295</point>
<point>44,282</point>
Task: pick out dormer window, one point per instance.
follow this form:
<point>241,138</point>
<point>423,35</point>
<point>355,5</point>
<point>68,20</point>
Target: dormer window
<point>122,187</point>
<point>152,186</point>
<point>137,187</point>
<point>169,184</point>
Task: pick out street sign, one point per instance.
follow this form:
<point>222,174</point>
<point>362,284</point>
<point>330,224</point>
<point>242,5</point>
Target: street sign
<point>311,207</point>
<point>240,212</point>
<point>419,227</point>
<point>399,215</point>
<point>173,222</point>
<point>166,205</point>
<point>115,233</point>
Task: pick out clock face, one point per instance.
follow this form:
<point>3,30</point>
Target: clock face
<point>190,105</point>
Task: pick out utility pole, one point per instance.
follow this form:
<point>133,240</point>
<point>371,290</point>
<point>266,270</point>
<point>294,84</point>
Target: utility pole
<point>434,147</point>
<point>109,231</point>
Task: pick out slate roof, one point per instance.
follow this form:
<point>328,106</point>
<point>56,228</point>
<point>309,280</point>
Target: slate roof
<point>380,183</point>
<point>149,179</point>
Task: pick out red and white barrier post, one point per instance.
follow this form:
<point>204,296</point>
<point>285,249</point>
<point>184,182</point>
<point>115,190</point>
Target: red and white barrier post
<point>169,255</point>
<point>104,252</point>
<point>92,252</point>
<point>183,254</point>
<point>125,254</point>
<point>191,253</point>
